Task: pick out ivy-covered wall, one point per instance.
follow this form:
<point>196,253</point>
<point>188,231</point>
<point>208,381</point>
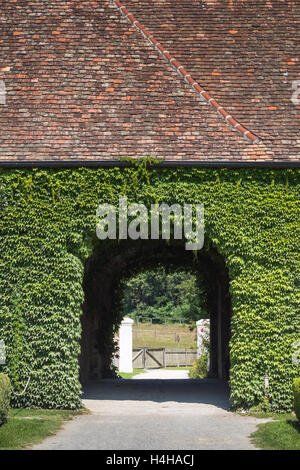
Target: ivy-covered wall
<point>47,231</point>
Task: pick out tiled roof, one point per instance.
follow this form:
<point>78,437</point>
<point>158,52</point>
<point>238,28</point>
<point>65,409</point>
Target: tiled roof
<point>183,73</point>
<point>82,83</point>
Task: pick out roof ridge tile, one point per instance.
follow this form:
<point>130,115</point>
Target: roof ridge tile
<point>183,73</point>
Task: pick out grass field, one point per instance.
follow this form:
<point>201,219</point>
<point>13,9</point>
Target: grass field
<point>26,427</point>
<point>282,433</point>
<point>128,375</point>
<point>163,336</point>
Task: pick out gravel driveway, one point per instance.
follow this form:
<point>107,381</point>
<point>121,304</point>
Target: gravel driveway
<point>166,411</point>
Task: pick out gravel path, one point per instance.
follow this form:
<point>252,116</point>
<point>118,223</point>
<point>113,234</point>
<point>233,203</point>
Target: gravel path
<point>166,411</point>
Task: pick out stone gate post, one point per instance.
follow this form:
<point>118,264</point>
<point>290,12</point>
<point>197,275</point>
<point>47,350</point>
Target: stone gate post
<point>125,345</point>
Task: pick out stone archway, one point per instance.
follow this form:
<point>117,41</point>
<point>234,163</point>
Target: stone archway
<point>104,270</point>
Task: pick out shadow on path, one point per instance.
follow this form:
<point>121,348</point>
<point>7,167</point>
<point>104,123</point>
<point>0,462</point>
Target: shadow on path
<point>205,391</point>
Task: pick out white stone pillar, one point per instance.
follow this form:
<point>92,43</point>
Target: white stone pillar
<point>202,331</point>
<point>125,345</point>
<point>2,353</point>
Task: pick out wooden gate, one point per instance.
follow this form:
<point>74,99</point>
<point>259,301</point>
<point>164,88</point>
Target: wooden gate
<point>148,358</point>
<point>153,358</point>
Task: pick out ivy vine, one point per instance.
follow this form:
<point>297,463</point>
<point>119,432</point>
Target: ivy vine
<point>47,232</point>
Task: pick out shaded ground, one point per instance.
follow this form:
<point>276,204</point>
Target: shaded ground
<point>174,414</point>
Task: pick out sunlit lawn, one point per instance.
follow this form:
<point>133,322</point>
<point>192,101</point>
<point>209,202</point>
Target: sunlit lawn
<point>127,375</point>
<point>282,433</point>
<point>26,427</point>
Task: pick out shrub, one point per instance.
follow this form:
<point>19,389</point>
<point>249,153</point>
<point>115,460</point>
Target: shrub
<point>4,397</point>
<point>296,390</point>
<point>199,369</point>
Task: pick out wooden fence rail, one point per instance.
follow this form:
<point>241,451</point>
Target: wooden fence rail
<point>155,333</point>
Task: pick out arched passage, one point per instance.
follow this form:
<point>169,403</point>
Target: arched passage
<point>112,261</point>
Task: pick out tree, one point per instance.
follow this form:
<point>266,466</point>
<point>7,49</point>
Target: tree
<point>164,296</point>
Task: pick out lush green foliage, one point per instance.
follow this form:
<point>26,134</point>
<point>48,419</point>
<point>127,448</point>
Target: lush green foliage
<point>164,296</point>
<point>296,390</point>
<point>47,231</point>
<point>4,397</point>
<point>199,368</point>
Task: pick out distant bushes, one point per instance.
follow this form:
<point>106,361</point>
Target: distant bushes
<point>296,390</point>
<point>4,397</point>
<point>199,369</point>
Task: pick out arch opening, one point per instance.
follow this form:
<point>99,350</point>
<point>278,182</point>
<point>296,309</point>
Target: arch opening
<point>113,261</point>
